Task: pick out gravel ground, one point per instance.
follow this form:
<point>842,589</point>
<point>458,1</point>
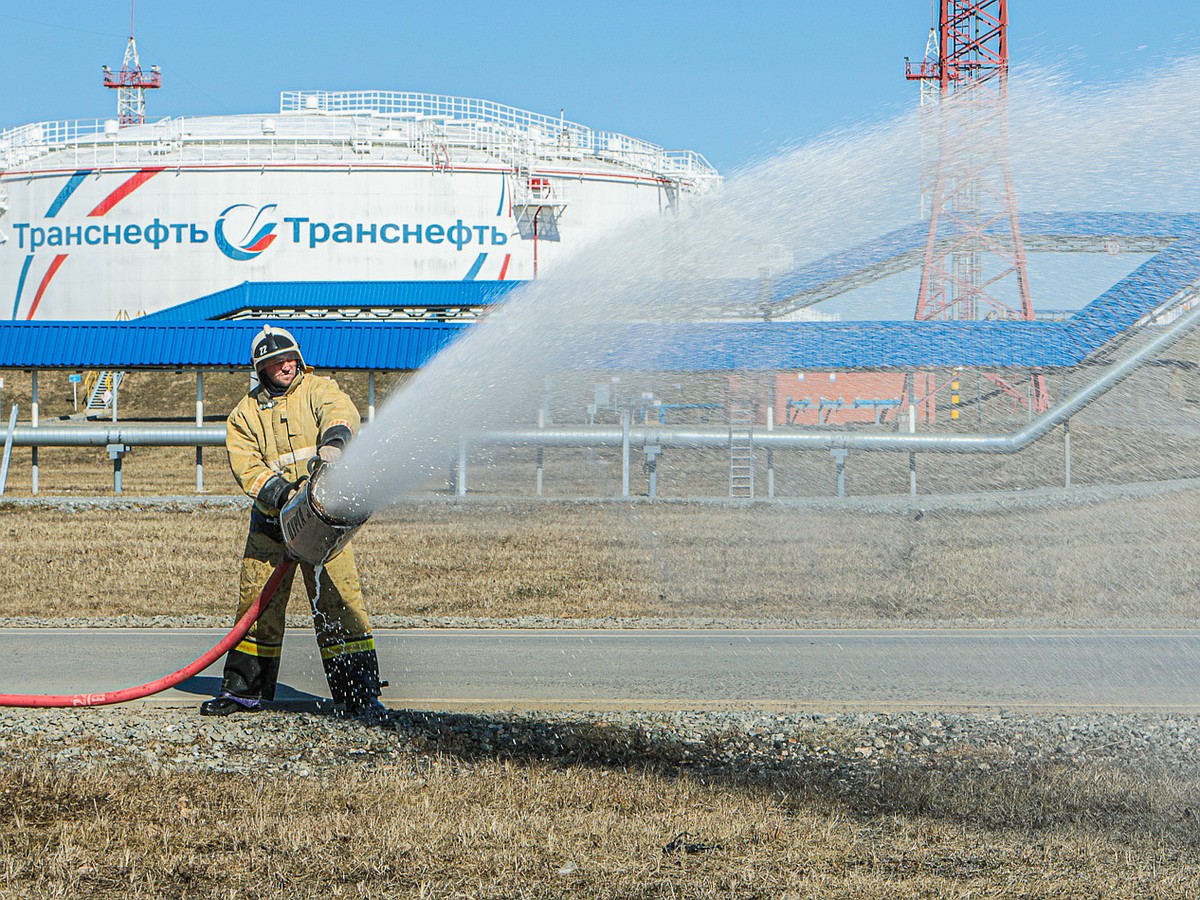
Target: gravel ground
<point>846,746</point>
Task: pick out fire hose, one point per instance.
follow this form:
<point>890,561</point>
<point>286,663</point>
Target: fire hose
<point>311,535</point>
<point>153,687</point>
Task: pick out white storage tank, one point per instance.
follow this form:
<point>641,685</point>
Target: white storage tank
<point>363,186</point>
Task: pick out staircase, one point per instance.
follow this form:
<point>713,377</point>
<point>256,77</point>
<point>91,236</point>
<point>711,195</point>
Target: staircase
<point>101,387</point>
<point>741,449</point>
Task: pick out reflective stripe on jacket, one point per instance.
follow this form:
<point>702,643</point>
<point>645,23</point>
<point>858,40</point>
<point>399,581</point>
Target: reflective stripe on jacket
<point>268,436</point>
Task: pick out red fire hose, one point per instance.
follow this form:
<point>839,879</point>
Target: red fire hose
<point>154,687</point>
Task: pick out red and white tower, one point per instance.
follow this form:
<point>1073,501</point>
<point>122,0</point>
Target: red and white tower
<point>131,83</point>
<point>974,265</point>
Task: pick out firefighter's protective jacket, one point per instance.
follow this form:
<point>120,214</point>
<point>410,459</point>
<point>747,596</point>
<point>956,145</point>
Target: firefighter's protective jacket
<point>271,438</point>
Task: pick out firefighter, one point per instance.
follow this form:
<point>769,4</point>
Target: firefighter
<point>289,418</point>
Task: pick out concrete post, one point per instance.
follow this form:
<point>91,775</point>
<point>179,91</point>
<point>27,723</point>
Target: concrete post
<point>1067,452</point>
<point>652,452</point>
<point>116,452</point>
<point>912,457</point>
<point>770,455</point>
<point>199,424</point>
<point>839,458</point>
<point>34,416</point>
<point>625,417</point>
<point>460,478</point>
<point>541,453</point>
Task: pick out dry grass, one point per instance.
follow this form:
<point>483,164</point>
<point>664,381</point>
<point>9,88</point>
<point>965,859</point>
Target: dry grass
<point>1115,562</point>
<point>468,825</point>
<point>446,817</point>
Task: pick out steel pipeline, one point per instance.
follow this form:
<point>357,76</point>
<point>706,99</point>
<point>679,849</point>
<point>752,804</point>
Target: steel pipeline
<point>129,435</point>
<point>590,436</point>
<point>815,440</point>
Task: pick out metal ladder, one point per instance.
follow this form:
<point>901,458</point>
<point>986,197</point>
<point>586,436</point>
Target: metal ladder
<point>741,449</point>
<point>441,156</point>
<point>101,388</point>
<point>431,142</point>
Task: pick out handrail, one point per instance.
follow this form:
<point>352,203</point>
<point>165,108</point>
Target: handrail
<point>382,118</point>
<point>463,110</point>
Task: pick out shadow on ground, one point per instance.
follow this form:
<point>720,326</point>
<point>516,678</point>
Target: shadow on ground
<point>286,697</point>
<point>1127,799</point>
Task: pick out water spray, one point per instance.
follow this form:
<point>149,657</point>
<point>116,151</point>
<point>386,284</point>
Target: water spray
<point>311,535</point>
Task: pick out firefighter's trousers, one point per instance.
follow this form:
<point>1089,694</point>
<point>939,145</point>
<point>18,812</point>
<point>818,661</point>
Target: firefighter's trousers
<point>339,617</point>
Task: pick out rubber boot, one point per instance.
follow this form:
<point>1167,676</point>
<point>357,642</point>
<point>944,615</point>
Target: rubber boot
<point>250,676</point>
<point>354,684</point>
<point>226,705</point>
<point>247,681</point>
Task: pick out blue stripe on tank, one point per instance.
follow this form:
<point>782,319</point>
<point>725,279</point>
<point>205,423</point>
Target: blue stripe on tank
<point>67,190</point>
<point>21,285</point>
<point>475,267</point>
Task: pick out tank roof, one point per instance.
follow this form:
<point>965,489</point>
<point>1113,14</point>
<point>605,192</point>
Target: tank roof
<point>360,126</point>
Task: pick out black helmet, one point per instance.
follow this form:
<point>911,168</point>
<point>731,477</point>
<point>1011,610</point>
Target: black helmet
<point>271,343</point>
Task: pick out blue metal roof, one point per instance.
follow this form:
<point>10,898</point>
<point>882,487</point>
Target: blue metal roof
<point>364,295</point>
<point>1107,224</point>
<point>903,248</point>
<point>843,345</point>
<point>879,345</point>
<point>380,346</point>
<point>391,346</point>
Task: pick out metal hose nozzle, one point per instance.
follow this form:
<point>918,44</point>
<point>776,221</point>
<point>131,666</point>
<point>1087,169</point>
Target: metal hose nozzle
<point>310,533</point>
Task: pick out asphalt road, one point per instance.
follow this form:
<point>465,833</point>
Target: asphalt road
<point>660,669</point>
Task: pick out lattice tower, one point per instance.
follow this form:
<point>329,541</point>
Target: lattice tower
<point>131,83</point>
<point>975,264</point>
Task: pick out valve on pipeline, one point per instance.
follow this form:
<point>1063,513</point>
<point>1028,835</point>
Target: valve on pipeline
<point>311,533</point>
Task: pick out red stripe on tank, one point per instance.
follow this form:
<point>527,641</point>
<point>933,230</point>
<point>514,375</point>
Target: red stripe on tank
<point>130,185</point>
<point>37,298</point>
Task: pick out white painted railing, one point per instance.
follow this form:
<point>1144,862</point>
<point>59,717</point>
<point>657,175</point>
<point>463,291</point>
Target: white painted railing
<point>359,124</point>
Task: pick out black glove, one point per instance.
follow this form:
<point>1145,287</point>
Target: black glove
<point>291,490</point>
<point>277,490</point>
<point>333,442</point>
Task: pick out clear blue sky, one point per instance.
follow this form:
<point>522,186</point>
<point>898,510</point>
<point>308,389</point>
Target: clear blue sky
<point>733,80</point>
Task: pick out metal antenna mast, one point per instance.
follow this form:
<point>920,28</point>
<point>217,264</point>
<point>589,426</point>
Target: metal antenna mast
<point>975,264</point>
<point>131,83</point>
